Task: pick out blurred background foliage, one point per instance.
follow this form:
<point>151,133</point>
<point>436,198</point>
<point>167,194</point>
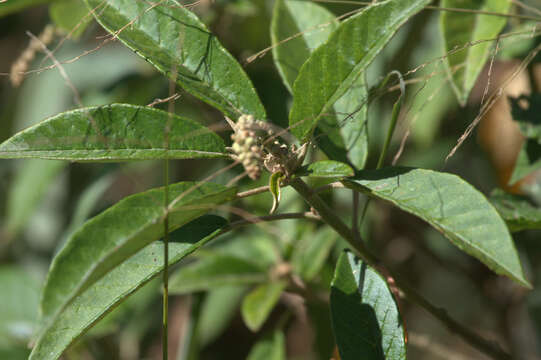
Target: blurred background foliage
<point>42,202</point>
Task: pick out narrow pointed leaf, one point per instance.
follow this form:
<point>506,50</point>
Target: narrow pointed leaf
<point>453,207</point>
<point>459,29</point>
<point>111,290</point>
<point>271,347</point>
<point>342,133</point>
<point>179,45</point>
<point>111,237</point>
<point>114,133</point>
<point>338,65</point>
<point>258,304</point>
<point>365,316</point>
<point>326,169</point>
<point>518,212</point>
<point>215,270</point>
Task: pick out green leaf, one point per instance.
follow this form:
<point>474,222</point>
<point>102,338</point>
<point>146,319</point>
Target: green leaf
<point>105,294</point>
<point>12,6</point>
<point>215,270</point>
<point>111,237</point>
<point>365,316</point>
<point>342,135</point>
<point>179,45</point>
<point>459,29</point>
<point>271,347</point>
<point>70,15</point>
<point>518,212</point>
<point>20,299</point>
<point>326,169</point>
<point>258,304</point>
<point>310,26</point>
<point>525,111</point>
<point>453,207</point>
<point>114,133</point>
<point>338,65</point>
<point>218,309</point>
<point>311,252</point>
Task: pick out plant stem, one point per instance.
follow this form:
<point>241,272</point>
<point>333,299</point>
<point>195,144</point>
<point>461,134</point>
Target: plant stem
<point>165,262</point>
<point>328,216</point>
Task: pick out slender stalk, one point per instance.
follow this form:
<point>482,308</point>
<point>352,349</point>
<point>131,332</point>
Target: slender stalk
<point>165,263</point>
<point>328,216</point>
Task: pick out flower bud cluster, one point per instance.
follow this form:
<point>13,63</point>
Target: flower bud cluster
<point>247,145</point>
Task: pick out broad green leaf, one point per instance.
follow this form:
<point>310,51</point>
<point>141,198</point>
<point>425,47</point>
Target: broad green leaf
<point>114,133</point>
<point>271,347</point>
<point>215,270</point>
<point>311,252</point>
<point>218,309</point>
<point>179,45</point>
<point>258,304</point>
<point>326,169</point>
<point>20,299</point>
<point>310,26</point>
<point>12,6</point>
<point>518,212</point>
<point>105,294</point>
<point>337,66</point>
<point>365,316</point>
<point>342,134</point>
<point>453,207</point>
<point>525,111</point>
<point>72,16</point>
<point>111,237</point>
<point>459,29</point>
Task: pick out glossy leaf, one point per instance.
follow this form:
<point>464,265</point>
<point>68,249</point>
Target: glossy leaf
<point>271,347</point>
<point>105,294</point>
<point>342,133</point>
<point>326,169</point>
<point>453,207</point>
<point>525,111</point>
<point>459,29</point>
<point>215,270</point>
<point>258,304</point>
<point>71,16</point>
<point>179,45</point>
<point>311,252</point>
<point>111,237</point>
<point>365,316</point>
<point>114,133</point>
<point>337,66</point>
<point>518,212</point>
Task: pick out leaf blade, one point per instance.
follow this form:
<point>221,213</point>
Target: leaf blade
<point>517,211</point>
<point>111,237</point>
<point>325,77</point>
<point>458,29</point>
<point>179,45</point>
<point>257,305</point>
<point>453,207</point>
<point>365,316</point>
<point>116,132</point>
<point>104,295</point>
